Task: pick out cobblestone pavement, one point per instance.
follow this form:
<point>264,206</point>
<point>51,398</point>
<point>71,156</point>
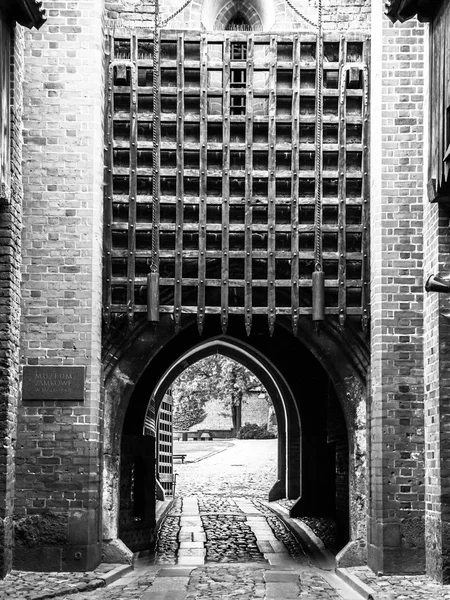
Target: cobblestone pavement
<point>220,548</point>
<point>220,541</point>
<point>227,530</point>
<point>216,548</point>
<point>248,468</point>
<point>24,585</point>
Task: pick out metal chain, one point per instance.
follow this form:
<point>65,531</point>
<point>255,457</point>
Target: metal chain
<point>292,7</point>
<point>155,125</point>
<point>318,148</point>
<point>176,13</point>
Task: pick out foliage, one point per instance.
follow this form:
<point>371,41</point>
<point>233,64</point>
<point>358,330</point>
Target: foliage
<point>212,377</point>
<point>252,431</point>
<point>187,412</point>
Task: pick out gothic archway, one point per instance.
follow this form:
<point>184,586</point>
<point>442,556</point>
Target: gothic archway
<point>153,354</point>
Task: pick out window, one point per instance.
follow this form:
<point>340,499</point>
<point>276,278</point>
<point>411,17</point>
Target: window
<point>238,23</point>
<point>238,51</point>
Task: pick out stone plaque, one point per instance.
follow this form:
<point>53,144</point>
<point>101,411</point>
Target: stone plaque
<point>53,383</point>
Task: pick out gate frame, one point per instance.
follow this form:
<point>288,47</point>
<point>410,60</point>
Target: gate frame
<point>342,354</point>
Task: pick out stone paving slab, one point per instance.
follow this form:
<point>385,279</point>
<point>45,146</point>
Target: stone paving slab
<point>165,584</point>
<point>282,590</point>
<point>170,595</point>
<point>184,545</point>
<point>281,576</point>
<point>280,560</point>
<point>174,572</point>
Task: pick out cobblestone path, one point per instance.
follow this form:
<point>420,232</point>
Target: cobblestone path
<point>219,541</point>
<point>215,548</point>
<point>207,529</point>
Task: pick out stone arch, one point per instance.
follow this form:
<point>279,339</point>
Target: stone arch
<point>260,14</point>
<point>137,360</point>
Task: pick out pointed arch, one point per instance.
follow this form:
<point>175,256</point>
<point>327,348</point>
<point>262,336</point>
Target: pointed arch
<point>260,14</point>
<point>285,362</point>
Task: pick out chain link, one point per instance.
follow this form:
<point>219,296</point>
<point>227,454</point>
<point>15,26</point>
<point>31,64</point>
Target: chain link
<point>297,12</point>
<point>318,148</point>
<point>175,14</point>
<point>155,137</point>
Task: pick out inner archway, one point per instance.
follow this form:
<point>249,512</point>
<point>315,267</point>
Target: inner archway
<point>286,410</point>
<point>224,441</point>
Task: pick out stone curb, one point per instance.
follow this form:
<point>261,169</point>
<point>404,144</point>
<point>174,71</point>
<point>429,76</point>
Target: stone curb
<point>99,582</point>
<point>355,583</point>
<point>319,555</point>
<point>65,590</point>
<point>116,573</point>
<point>191,462</point>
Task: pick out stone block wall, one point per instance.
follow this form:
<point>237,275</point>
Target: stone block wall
<point>10,250</point>
<point>396,494</point>
<point>59,442</point>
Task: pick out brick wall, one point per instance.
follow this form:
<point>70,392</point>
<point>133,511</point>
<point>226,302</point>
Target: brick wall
<point>10,225</point>
<point>396,539</point>
<point>436,364</point>
<point>436,350</point>
<point>59,443</point>
<point>199,14</point>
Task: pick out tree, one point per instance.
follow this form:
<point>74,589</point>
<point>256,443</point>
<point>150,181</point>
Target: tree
<point>215,376</point>
<point>187,412</point>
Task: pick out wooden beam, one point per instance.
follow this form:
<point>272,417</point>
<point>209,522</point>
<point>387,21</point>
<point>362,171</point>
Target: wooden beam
<point>28,13</point>
<point>133,180</point>
<point>342,175</point>
<point>179,184</point>
<point>271,210</point>
<point>202,225</point>
<point>365,217</point>
<point>108,190</point>
<point>295,274</point>
<point>248,188</point>
<point>225,185</point>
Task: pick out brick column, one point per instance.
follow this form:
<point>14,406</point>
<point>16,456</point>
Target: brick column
<point>437,396</point>
<point>58,505</point>
<point>396,488</point>
<point>10,251</point>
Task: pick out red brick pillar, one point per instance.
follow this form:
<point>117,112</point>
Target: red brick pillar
<point>58,506</point>
<point>437,398</point>
<point>396,488</point>
<point>10,251</point>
